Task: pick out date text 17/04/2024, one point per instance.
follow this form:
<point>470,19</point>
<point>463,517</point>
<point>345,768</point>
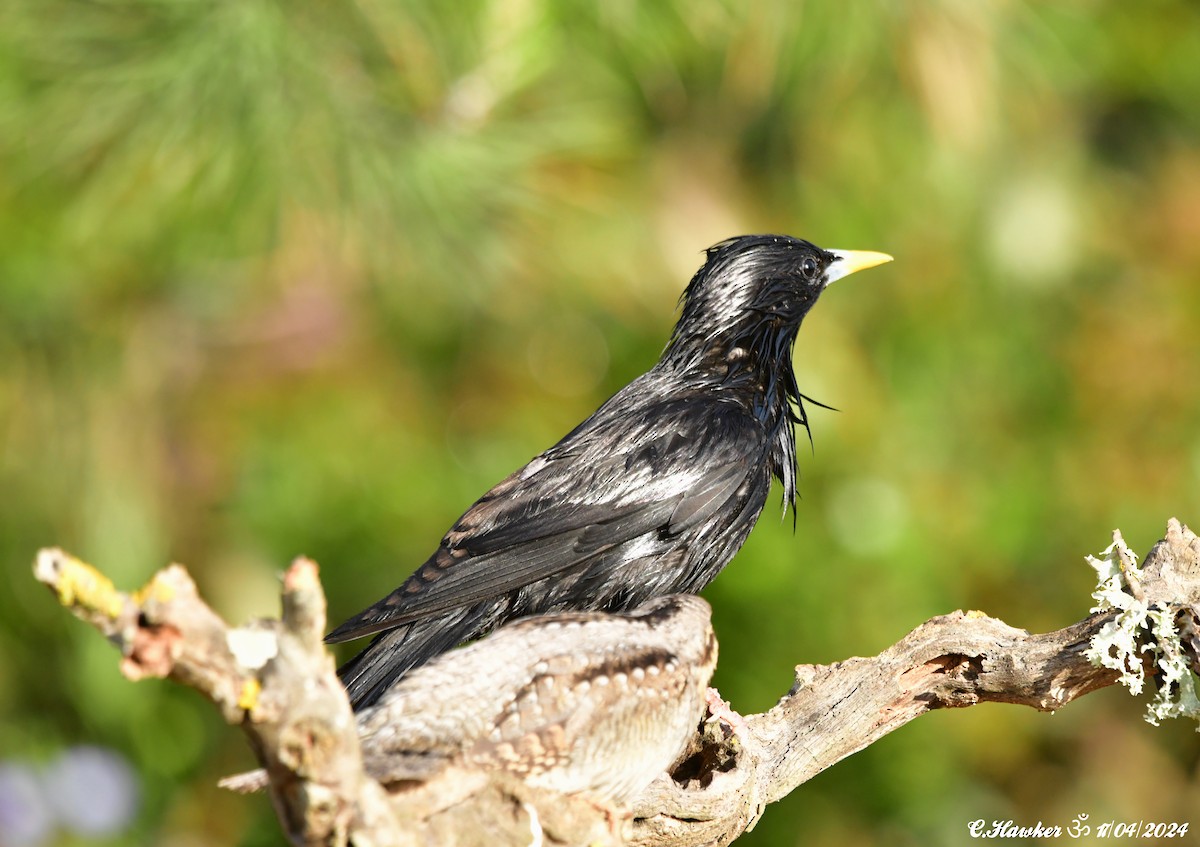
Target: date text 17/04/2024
<point>1079,828</point>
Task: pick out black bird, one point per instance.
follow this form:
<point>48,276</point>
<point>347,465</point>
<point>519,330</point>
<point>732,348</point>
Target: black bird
<point>651,495</point>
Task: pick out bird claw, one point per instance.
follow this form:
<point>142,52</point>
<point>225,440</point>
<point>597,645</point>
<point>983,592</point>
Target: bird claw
<point>615,816</point>
<point>719,710</point>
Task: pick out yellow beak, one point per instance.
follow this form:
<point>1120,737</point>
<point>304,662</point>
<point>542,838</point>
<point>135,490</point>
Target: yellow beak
<point>851,261</point>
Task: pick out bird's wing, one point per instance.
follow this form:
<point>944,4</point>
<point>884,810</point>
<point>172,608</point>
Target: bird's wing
<point>652,477</point>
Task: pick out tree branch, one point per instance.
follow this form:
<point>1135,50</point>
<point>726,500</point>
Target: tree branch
<point>279,684</point>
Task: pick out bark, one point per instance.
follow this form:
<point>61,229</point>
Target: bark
<point>278,683</point>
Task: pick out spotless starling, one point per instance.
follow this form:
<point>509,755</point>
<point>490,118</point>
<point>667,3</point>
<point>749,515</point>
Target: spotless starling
<point>651,495</point>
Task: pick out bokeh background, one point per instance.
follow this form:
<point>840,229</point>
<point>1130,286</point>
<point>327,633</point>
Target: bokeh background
<point>282,278</point>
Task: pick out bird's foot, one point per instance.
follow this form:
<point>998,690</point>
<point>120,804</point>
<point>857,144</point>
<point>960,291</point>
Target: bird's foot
<point>719,710</point>
<point>616,817</point>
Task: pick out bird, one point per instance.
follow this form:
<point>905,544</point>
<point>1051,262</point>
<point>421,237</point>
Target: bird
<point>575,702</point>
<point>651,495</point>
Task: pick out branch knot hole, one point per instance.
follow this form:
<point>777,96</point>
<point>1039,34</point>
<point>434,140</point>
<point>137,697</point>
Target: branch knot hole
<point>958,666</point>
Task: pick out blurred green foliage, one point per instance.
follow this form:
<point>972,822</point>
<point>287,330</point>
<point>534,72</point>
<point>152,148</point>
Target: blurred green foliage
<point>282,278</point>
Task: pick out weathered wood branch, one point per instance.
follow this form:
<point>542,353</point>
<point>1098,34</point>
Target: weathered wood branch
<point>835,710</point>
<point>279,684</point>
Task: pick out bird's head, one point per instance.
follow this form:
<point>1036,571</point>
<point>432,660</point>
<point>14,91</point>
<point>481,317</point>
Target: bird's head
<point>739,320</point>
<point>751,294</point>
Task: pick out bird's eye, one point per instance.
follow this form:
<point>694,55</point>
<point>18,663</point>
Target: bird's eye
<point>809,267</point>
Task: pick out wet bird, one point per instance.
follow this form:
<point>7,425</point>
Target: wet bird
<point>651,495</point>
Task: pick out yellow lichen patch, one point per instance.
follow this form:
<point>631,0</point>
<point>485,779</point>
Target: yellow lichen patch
<point>975,614</point>
<point>251,688</point>
<point>81,585</point>
<point>157,589</point>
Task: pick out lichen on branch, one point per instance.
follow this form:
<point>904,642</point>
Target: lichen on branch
<point>1151,622</point>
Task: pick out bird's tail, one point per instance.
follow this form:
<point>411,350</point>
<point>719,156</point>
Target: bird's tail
<point>394,653</point>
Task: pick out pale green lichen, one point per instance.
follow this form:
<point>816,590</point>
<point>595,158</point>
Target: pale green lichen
<point>1176,696</point>
<point>1140,628</point>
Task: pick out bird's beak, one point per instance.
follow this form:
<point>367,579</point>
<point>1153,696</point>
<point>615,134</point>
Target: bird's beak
<point>850,261</point>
